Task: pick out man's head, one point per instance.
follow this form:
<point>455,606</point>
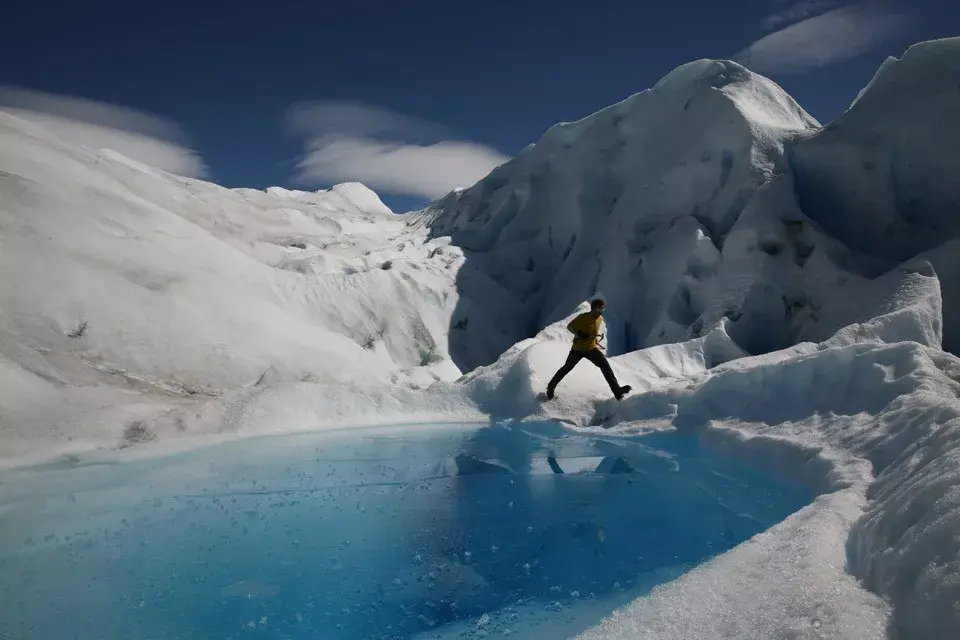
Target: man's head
<point>597,306</point>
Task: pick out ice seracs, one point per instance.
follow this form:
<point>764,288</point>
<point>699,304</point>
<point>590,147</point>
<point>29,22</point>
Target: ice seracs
<point>712,195</point>
<point>637,199</point>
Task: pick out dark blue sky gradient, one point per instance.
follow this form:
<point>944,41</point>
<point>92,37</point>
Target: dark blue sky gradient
<point>498,73</point>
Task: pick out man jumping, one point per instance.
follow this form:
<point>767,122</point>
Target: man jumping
<point>586,329</point>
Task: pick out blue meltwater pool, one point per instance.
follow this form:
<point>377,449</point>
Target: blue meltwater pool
<point>459,531</point>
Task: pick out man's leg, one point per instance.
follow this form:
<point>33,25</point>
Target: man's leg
<point>572,360</point>
<point>596,357</point>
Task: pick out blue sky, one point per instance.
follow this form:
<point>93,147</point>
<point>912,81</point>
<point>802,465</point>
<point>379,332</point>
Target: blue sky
<point>413,98</point>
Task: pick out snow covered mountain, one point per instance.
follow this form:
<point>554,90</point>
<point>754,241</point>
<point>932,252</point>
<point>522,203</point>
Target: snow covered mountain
<point>127,290</point>
<point>637,201</point>
<point>783,288</point>
<point>882,178</point>
<point>703,199</point>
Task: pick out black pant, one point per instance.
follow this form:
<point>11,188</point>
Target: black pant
<point>596,357</point>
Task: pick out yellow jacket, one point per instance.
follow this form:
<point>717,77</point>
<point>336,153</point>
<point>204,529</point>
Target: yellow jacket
<point>588,324</point>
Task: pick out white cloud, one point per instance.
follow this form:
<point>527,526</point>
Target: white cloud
<point>351,118</point>
<point>387,151</point>
<point>797,12</point>
<point>140,136</point>
<point>839,34</point>
<point>422,170</point>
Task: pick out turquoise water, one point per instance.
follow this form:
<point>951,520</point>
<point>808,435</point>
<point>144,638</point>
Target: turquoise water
<point>369,533</point>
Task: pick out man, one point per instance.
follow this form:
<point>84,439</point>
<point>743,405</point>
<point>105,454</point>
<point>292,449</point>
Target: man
<point>586,328</point>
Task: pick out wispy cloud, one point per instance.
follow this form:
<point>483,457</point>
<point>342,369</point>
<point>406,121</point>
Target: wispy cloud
<point>387,151</point>
<point>837,34</point>
<point>795,12</point>
<point>143,137</point>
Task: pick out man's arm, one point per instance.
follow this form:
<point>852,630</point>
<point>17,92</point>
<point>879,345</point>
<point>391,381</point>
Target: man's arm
<point>576,328</point>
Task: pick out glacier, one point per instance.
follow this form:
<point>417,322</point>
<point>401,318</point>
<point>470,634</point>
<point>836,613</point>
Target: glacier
<point>785,290</point>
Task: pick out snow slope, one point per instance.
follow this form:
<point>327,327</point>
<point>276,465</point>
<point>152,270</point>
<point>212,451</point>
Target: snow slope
<point>130,294</point>
<point>782,289</point>
<point>714,195</point>
<point>636,200</point>
<point>882,178</point>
